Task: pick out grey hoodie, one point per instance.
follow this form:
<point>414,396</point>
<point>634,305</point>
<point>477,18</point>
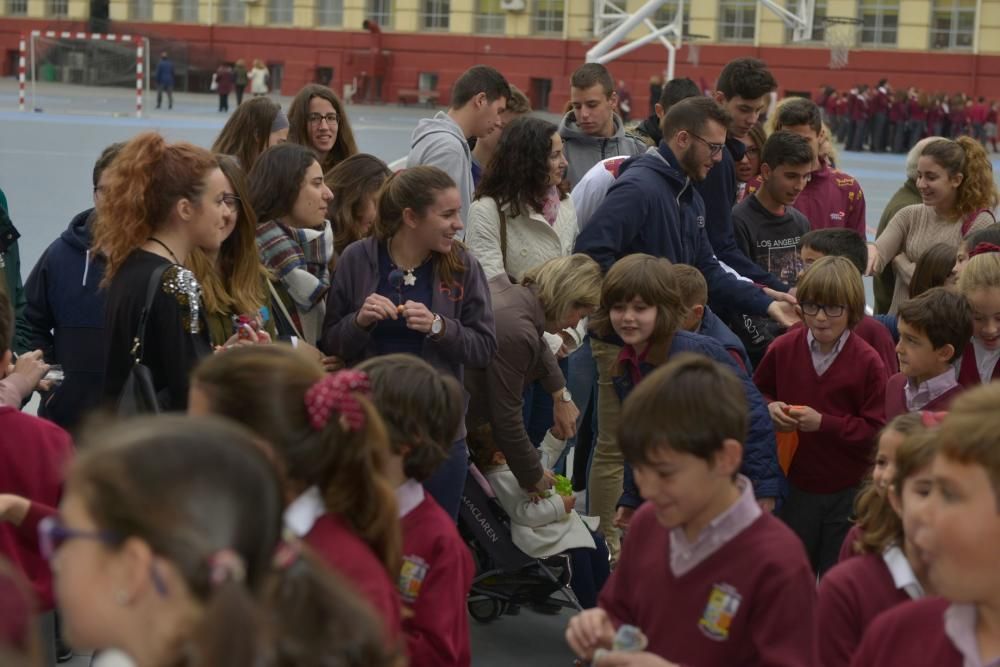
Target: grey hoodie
<point>583,151</point>
<point>439,142</point>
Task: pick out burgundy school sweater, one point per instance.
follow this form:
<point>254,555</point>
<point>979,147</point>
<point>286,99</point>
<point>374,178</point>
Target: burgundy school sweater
<point>909,635</point>
<point>33,453</point>
<point>968,371</point>
<point>332,538</point>
<point>831,199</point>
<point>436,577</point>
<point>875,334</point>
<point>851,397</point>
<point>752,602</point>
<point>847,548</point>
<point>850,596</point>
<point>895,397</point>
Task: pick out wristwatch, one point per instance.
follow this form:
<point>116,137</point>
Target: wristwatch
<point>566,396</point>
<point>437,327</point>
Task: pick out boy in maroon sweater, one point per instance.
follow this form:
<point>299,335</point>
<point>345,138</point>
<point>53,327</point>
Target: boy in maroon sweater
<point>959,539</point>
<point>421,409</point>
<point>933,327</point>
<point>708,577</point>
<point>829,385</point>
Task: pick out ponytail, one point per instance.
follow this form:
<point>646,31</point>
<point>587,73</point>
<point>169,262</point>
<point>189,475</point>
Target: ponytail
<point>978,191</point>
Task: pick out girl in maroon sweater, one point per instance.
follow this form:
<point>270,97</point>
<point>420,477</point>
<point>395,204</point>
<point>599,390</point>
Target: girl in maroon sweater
<point>958,537</point>
<point>889,570</point>
<point>980,283</point>
<point>332,445</point>
<point>829,385</point>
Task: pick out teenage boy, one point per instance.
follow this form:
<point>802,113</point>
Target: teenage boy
<point>673,92</point>
<point>822,243</point>
<point>592,130</point>
<point>933,329</point>
<point>832,198</point>
<point>736,579</point>
<point>958,536</point>
<point>478,99</point>
<point>768,230</point>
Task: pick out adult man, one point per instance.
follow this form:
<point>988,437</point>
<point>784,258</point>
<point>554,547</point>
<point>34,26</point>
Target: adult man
<point>164,78</point>
<point>478,99</point>
<point>592,131</point>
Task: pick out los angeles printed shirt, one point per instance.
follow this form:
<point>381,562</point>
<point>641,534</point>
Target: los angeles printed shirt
<point>772,241</point>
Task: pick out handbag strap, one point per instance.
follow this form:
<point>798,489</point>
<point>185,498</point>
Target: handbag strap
<point>969,219</point>
<point>503,236</point>
<point>276,298</point>
<point>139,343</point>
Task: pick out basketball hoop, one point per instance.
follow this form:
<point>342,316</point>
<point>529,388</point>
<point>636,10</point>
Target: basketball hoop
<point>694,49</point>
<point>841,35</point>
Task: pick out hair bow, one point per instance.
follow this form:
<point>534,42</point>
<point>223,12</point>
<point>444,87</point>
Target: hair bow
<point>226,565</point>
<point>931,419</point>
<point>337,392</point>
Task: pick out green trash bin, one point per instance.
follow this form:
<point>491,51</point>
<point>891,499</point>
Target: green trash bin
<point>47,72</point>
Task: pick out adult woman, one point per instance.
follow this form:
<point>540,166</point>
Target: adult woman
<point>295,240</point>
<point>319,122</point>
<point>224,85</point>
<point>553,296</point>
<point>748,168</point>
<point>955,180</point>
<point>160,202</point>
<point>521,218</point>
<point>233,280</point>
<point>355,182</point>
<point>240,79</point>
<point>168,546</point>
<point>414,288</point>
<point>251,130</point>
<point>258,77</point>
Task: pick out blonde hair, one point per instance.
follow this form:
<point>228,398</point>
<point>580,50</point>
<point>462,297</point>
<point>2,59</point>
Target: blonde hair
<point>982,272</point>
<point>834,281</point>
<point>691,285</point>
<point>565,283</point>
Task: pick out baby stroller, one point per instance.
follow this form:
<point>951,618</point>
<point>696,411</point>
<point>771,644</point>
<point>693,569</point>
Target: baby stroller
<point>506,578</point>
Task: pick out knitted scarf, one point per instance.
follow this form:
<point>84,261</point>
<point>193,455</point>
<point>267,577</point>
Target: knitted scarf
<point>300,258</point>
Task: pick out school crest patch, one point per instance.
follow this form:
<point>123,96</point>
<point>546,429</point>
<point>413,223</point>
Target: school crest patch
<point>411,577</point>
<point>723,603</point>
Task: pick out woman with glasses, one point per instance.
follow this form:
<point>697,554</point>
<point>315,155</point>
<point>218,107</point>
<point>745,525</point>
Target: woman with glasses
<point>168,547</point>
<point>319,122</point>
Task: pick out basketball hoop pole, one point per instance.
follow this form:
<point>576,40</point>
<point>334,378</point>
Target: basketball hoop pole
<point>22,47</point>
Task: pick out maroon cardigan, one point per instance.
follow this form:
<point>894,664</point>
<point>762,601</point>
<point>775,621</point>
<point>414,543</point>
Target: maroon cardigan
<point>895,397</point>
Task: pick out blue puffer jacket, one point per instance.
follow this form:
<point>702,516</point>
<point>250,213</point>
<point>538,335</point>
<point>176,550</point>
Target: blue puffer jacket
<point>716,329</point>
<point>760,453</point>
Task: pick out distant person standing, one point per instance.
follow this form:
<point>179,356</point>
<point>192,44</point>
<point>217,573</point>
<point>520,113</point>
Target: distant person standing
<point>224,85</point>
<point>240,80</point>
<point>259,79</point>
<point>624,101</point>
<point>164,80</point>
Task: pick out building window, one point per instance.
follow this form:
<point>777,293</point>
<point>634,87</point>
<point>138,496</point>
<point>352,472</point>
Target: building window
<point>666,13</point>
<point>435,14</point>
<point>380,11</point>
<point>186,11</point>
<point>737,20</point>
<point>232,12</point>
<point>879,22</point>
<point>548,18</point>
<point>140,10</point>
<point>58,8</point>
<point>280,11</point>
<point>17,7</point>
<point>819,28</point>
<point>953,23</point>
<point>491,19</point>
<point>330,12</point>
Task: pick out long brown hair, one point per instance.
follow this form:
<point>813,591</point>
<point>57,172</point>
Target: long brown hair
<point>298,124</point>
<point>652,280</point>
<point>352,183</point>
<point>417,189</point>
<point>247,132</point>
<point>237,285</point>
<point>264,388</point>
<point>966,156</point>
<point>144,182</point>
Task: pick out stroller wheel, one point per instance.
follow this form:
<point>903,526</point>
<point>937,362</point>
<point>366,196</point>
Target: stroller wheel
<point>485,609</point>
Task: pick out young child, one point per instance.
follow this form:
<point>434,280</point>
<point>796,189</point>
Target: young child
<point>421,409</point>
<point>333,448</point>
<point>700,318</point>
<point>829,385</point>
<point>890,571</point>
<point>990,235</point>
<point>958,535</point>
<point>933,329</point>
<point>641,303</point>
<point>980,283</point>
<point>821,243</point>
<point>707,576</point>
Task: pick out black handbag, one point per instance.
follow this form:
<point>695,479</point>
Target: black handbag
<point>139,394</point>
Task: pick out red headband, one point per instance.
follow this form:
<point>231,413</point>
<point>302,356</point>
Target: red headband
<point>336,392</point>
<point>983,248</point>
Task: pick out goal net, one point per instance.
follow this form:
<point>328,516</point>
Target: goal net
<point>115,64</point>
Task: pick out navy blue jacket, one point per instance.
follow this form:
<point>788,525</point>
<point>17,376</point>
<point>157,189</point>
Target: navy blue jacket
<point>760,451</point>
<point>164,75</point>
<point>716,329</point>
<point>64,317</point>
<point>719,192</point>
<point>652,208</point>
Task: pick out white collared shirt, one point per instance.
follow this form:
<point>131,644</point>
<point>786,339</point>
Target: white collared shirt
<point>409,495</point>
<point>301,515</point>
<point>902,573</point>
<point>960,627</point>
<point>919,396</point>
<point>986,361</point>
<point>823,360</point>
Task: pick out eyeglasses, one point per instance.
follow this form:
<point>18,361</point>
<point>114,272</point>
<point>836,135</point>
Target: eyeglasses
<point>231,200</point>
<point>316,118</point>
<point>813,309</point>
<point>713,149</point>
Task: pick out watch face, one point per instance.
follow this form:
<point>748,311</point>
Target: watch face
<point>436,326</point>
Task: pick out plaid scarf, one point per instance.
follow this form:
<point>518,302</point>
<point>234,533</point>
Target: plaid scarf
<point>300,258</point>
